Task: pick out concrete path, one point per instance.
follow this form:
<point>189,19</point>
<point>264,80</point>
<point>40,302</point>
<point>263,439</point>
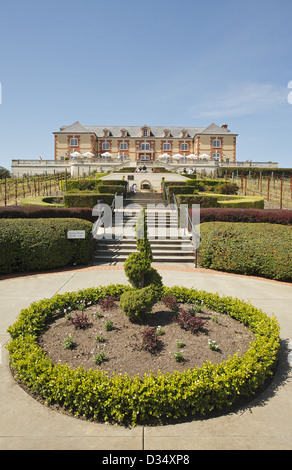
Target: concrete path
<point>265,424</point>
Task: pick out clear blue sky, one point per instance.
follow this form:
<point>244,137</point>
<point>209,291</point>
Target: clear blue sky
<point>159,62</point>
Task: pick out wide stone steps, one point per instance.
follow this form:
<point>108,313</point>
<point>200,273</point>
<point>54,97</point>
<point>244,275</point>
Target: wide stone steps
<point>166,240</point>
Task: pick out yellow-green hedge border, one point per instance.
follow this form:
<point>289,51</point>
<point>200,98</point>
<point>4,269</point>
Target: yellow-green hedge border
<point>153,398</point>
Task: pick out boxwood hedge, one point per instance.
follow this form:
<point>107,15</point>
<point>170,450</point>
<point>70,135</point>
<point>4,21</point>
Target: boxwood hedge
<point>125,399</point>
<point>251,249</point>
<point>38,244</point>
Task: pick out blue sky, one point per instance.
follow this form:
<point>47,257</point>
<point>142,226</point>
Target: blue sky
<point>162,62</point>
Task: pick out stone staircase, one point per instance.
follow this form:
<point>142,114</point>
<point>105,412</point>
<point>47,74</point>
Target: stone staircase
<point>167,244</point>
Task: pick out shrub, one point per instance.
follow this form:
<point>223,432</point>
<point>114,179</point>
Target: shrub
<point>189,322</point>
<point>80,321</point>
<point>150,339</point>
<point>86,199</point>
<point>136,265</point>
<point>42,201</point>
<point>244,201</point>
<point>38,244</point>
<point>273,216</point>
<point>226,188</point>
<point>46,212</point>
<point>84,184</point>
<point>138,303</point>
<point>170,301</point>
<point>108,303</point>
<point>210,200</point>
<point>154,398</point>
<point>250,249</point>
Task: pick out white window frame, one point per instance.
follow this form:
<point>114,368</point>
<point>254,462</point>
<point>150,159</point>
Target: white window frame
<point>216,156</point>
<point>74,142</point>
<point>145,146</point>
<point>105,146</point>
<point>145,158</point>
<point>167,146</point>
<point>123,146</point>
<point>216,143</point>
<point>145,132</point>
<point>184,147</point>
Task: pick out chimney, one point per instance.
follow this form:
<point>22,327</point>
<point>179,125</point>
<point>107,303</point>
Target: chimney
<point>224,126</point>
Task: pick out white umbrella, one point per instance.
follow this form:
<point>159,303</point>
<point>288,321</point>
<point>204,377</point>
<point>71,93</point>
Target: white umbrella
<point>204,155</point>
<point>106,154</point>
<point>88,154</point>
<point>177,156</point>
<point>191,155</point>
<point>75,154</point>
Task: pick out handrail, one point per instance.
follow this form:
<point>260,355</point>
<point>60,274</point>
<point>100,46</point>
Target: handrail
<point>114,202</point>
<point>195,236</point>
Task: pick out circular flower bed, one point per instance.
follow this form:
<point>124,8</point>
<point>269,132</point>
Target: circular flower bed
<point>153,398</point>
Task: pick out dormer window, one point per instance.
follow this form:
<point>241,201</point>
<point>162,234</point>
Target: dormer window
<point>166,133</point>
<point>124,133</point>
<point>106,133</point>
<point>184,133</point>
<point>145,131</point>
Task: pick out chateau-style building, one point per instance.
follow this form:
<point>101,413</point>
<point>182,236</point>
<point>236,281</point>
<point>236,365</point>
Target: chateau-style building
<point>146,143</point>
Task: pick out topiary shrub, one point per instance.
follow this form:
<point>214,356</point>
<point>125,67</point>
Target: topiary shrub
<point>138,303</point>
<point>136,265</point>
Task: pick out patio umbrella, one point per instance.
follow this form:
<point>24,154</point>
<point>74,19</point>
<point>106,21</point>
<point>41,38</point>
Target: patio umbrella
<point>88,154</point>
<point>177,156</point>
<point>163,156</point>
<point>191,155</point>
<point>75,154</point>
<point>106,154</point>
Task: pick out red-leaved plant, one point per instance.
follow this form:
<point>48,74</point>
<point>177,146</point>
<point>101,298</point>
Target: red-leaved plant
<point>108,303</point>
<point>150,339</point>
<point>186,321</point>
<point>80,320</point>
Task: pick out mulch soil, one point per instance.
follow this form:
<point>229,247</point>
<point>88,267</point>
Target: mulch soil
<point>123,348</point>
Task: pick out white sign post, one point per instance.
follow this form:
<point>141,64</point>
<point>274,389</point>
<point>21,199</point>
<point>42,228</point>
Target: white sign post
<point>75,234</point>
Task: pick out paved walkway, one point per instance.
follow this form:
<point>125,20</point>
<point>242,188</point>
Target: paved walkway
<point>264,424</point>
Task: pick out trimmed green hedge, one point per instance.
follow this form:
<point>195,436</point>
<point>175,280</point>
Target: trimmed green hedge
<point>41,201</point>
<point>220,200</point>
<point>87,199</point>
<point>251,249</point>
<point>90,184</point>
<point>152,398</point>
<point>39,244</point>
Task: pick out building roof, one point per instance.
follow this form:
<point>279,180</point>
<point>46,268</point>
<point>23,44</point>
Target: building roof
<point>136,131</point>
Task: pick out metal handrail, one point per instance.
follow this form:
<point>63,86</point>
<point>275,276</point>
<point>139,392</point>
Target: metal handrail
<point>195,236</point>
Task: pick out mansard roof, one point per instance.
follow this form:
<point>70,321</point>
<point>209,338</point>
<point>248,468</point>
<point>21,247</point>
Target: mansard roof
<point>136,131</point>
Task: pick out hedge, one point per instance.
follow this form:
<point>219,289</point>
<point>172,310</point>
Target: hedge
<point>41,201</point>
<point>272,216</point>
<point>39,244</point>
<point>217,200</point>
<point>153,398</point>
<point>86,199</point>
<point>90,184</point>
<point>255,171</point>
<point>46,212</point>
<point>250,249</point>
